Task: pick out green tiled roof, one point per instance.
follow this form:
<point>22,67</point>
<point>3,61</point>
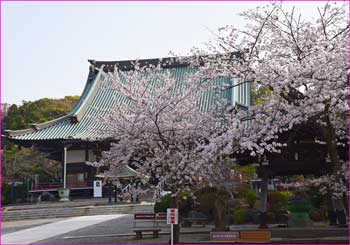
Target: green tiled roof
<point>80,123</point>
<point>124,172</point>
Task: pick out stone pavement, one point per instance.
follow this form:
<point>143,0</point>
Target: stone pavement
<point>72,203</point>
<point>12,226</point>
<point>34,234</point>
<point>112,229</point>
<point>72,209</point>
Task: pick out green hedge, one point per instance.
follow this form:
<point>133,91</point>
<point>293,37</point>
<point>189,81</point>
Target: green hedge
<point>278,200</point>
<point>239,215</point>
<point>163,204</point>
<point>5,194</point>
<point>250,197</point>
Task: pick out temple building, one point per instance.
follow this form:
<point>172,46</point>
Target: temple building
<point>72,139</point>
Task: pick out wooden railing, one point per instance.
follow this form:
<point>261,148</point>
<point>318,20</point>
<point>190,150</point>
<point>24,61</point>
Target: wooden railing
<point>56,185</point>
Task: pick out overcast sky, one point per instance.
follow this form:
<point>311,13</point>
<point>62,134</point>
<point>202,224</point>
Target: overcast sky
<point>45,46</point>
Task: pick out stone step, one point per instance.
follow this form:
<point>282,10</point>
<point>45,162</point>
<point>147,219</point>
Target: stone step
<point>74,211</point>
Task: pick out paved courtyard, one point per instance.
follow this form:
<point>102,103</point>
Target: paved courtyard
<point>99,229</point>
<point>109,229</point>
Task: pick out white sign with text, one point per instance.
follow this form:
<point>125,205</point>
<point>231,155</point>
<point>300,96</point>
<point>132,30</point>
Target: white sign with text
<point>172,216</point>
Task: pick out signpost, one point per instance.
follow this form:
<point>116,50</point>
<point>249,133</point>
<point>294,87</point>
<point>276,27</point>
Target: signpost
<point>172,218</point>
<point>97,188</point>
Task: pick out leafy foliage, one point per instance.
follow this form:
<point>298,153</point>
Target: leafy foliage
<point>207,196</point>
<point>250,197</point>
<point>239,215</point>
<point>259,94</point>
<point>278,200</point>
<point>20,117</point>
<point>163,204</point>
<point>20,163</point>
<point>248,171</point>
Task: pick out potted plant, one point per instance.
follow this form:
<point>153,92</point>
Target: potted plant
<point>299,208</point>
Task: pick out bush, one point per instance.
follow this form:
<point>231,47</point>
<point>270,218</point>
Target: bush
<point>208,195</point>
<point>185,202</point>
<point>278,200</point>
<point>214,200</point>
<point>316,215</point>
<point>242,190</point>
<point>286,195</point>
<point>239,215</point>
<point>163,204</point>
<point>250,197</point>
<point>314,197</point>
<point>5,194</point>
<point>13,193</point>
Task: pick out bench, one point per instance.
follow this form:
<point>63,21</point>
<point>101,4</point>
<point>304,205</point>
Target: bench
<point>146,217</point>
<point>155,232</point>
<point>255,237</point>
<point>160,217</point>
<point>188,222</point>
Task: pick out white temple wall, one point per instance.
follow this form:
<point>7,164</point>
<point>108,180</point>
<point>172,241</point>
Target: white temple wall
<point>78,156</point>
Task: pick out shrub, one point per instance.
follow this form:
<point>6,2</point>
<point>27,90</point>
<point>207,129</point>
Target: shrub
<point>316,215</point>
<point>278,200</point>
<point>315,197</point>
<point>286,195</point>
<point>208,195</point>
<point>250,197</point>
<point>239,215</point>
<point>185,202</point>
<point>5,193</point>
<point>163,204</point>
<point>213,199</point>
<point>242,190</point>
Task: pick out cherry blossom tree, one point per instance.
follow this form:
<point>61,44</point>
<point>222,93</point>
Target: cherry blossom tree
<point>305,67</point>
<point>160,122</point>
<point>160,128</point>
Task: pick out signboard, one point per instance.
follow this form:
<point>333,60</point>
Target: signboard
<point>97,188</point>
<point>228,236</point>
<point>172,216</point>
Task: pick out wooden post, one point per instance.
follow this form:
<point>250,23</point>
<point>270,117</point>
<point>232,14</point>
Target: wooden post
<point>65,167</point>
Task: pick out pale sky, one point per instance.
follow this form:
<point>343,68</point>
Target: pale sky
<point>46,45</point>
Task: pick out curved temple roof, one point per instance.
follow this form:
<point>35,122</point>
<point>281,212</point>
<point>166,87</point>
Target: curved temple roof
<point>80,122</point>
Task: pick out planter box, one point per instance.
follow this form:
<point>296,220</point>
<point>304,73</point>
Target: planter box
<point>299,216</point>
<point>63,194</point>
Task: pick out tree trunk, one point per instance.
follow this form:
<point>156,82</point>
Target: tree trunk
<point>331,144</point>
<point>176,227</point>
<point>330,136</point>
<point>340,210</point>
<point>331,213</point>
<point>263,198</point>
<point>220,224</point>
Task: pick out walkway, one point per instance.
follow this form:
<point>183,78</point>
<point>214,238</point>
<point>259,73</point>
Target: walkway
<point>42,232</point>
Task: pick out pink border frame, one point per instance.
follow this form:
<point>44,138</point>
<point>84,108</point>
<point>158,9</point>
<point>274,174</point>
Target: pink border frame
<point>117,1</point>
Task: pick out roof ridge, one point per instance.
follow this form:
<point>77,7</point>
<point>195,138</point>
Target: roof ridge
<point>38,126</point>
<point>165,62</point>
<point>126,65</point>
<point>73,115</point>
<point>80,111</point>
